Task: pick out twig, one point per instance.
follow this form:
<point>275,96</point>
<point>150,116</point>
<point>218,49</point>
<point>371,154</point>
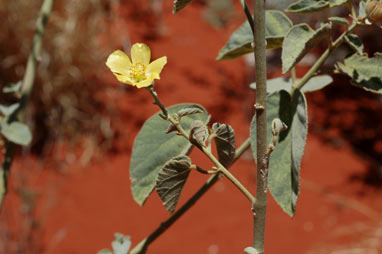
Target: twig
<point>27,86</point>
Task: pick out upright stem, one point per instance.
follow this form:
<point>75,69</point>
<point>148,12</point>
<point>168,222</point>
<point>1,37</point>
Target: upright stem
<point>27,86</point>
<point>260,205</point>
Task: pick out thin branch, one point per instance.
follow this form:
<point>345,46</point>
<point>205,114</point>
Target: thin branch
<point>27,86</point>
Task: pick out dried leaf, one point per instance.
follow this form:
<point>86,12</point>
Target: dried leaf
<point>225,143</point>
<point>171,180</point>
<point>189,111</point>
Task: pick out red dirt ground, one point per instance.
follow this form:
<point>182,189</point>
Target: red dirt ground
<point>79,210</point>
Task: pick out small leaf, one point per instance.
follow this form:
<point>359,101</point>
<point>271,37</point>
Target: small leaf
<point>284,165</point>
<point>240,42</point>
<point>171,180</point>
<point>339,20</point>
<point>365,72</point>
<point>16,132</point>
<point>285,83</point>
<point>121,244</point>
<point>179,4</point>
<point>362,9</point>
<point>307,6</point>
<point>355,43</point>
<point>9,110</point>
<point>198,133</point>
<point>189,111</point>
<point>225,143</point>
<point>14,87</point>
<point>298,41</point>
<point>153,148</point>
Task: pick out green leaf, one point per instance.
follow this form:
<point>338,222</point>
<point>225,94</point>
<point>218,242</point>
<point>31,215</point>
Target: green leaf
<point>339,20</point>
<point>285,83</point>
<point>16,132</point>
<point>179,4</point>
<point>7,110</point>
<point>189,111</point>
<point>365,72</point>
<point>105,251</point>
<point>171,180</point>
<point>121,244</point>
<point>355,43</point>
<point>307,6</point>
<point>153,148</point>
<point>240,42</point>
<point>298,41</point>
<point>14,87</point>
<point>284,165</point>
<point>225,143</point>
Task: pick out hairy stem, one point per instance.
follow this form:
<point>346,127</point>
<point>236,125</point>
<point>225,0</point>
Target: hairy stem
<point>144,244</point>
<point>260,205</point>
<point>26,88</point>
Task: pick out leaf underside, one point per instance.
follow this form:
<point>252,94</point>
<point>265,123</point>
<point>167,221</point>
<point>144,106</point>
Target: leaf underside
<point>284,166</point>
<point>153,148</point>
<point>171,180</point>
<point>225,143</point>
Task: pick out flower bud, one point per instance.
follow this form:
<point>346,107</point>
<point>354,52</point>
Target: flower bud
<point>374,11</point>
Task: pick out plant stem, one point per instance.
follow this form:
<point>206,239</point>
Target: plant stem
<point>260,205</point>
<point>26,88</point>
<point>144,244</point>
<point>323,58</point>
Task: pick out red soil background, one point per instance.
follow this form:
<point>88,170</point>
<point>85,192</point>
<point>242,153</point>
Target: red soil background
<point>78,210</point>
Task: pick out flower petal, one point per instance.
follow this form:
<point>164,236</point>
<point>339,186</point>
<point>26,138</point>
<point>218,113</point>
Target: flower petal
<point>140,53</point>
<point>145,83</point>
<point>156,67</point>
<point>118,62</point>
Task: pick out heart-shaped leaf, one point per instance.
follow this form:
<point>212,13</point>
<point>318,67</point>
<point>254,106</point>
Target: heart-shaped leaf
<point>365,72</point>
<point>16,132</point>
<point>284,165</point>
<point>298,41</point>
<point>171,180</point>
<point>240,42</point>
<point>225,143</point>
<point>153,148</point>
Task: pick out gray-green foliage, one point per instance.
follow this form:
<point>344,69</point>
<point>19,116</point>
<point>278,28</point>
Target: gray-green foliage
<point>16,132</point>
<point>284,166</point>
<point>307,6</point>
<point>299,40</point>
<point>153,148</point>
<point>225,143</point>
<point>285,83</point>
<point>240,42</point>
<point>171,179</point>
<point>365,72</point>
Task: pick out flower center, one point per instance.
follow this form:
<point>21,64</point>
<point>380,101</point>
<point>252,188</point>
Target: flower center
<point>137,72</point>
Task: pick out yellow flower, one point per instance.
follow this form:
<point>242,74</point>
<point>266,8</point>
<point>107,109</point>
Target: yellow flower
<point>140,72</point>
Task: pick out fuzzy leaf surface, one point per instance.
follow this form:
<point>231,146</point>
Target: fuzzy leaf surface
<point>285,83</point>
<point>284,166</point>
<point>179,4</point>
<point>16,132</point>
<point>277,25</point>
<point>153,148</point>
<point>299,40</point>
<point>365,72</point>
<point>225,143</point>
<point>171,180</point>
<point>307,6</point>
